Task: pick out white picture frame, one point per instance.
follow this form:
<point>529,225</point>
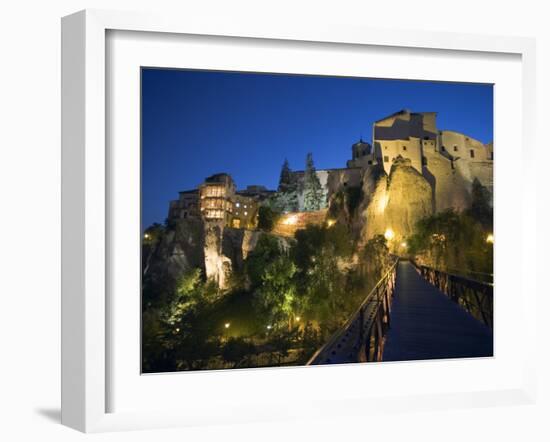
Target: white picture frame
<point>86,315</point>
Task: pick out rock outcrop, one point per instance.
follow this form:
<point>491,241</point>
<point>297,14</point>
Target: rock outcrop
<point>394,203</point>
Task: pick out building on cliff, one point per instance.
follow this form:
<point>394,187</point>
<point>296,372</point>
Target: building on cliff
<point>449,161</point>
<point>413,136</point>
<point>218,200</point>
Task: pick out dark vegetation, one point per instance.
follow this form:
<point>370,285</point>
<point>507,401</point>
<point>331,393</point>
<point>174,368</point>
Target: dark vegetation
<point>280,308</point>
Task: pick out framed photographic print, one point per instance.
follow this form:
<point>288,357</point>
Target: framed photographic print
<point>252,212</point>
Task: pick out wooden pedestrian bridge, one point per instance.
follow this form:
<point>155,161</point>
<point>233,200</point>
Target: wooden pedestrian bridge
<point>413,313</point>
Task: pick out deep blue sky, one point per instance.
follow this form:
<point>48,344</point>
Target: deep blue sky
<point>197,123</point>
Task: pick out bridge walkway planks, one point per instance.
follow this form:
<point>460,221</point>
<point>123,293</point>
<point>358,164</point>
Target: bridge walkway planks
<point>425,324</point>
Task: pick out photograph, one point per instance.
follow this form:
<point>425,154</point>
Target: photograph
<point>299,220</point>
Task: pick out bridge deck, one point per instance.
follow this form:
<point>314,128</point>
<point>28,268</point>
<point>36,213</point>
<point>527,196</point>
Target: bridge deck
<point>427,325</point>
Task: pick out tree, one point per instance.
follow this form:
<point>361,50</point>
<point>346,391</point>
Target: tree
<point>267,217</point>
<point>267,249</point>
<point>286,199</point>
<point>237,350</point>
<point>313,192</point>
<point>285,180</point>
<point>481,208</point>
<point>376,257</point>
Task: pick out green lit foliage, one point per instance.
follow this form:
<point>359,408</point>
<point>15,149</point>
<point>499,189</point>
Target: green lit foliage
<point>276,294</point>
<point>271,273</point>
<point>452,241</point>
<point>375,257</point>
<point>319,253</point>
<point>266,250</point>
<point>191,293</point>
<point>267,217</point>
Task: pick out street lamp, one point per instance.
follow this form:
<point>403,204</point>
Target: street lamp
<point>388,234</point>
<point>227,324</point>
<point>490,238</point>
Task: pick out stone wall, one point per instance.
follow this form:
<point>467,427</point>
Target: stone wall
<point>389,150</point>
<point>450,188</point>
<point>288,223</point>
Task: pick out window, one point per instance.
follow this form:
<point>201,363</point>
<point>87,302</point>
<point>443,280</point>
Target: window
<point>404,147</point>
<point>214,214</point>
<point>491,156</point>
<point>369,162</point>
<point>472,153</point>
<point>245,213</point>
<point>442,148</point>
<point>424,161</point>
<point>455,148</point>
<point>237,204</point>
<point>386,159</point>
<point>385,147</point>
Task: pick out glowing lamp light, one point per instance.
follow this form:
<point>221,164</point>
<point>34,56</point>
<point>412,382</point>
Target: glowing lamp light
<point>490,238</point>
<point>146,236</point>
<point>331,222</point>
<point>404,244</point>
<point>297,318</point>
<point>291,220</point>
<point>269,327</point>
<point>388,234</point>
<point>227,324</point>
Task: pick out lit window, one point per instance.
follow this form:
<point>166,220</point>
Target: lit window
<point>238,204</point>
<point>245,206</point>
<point>245,213</point>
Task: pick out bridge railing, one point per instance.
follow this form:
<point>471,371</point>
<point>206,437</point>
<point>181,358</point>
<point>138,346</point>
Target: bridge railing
<point>476,297</point>
<point>361,339</point>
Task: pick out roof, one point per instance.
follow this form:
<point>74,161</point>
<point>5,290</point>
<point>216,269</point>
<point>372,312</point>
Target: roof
<point>405,111</point>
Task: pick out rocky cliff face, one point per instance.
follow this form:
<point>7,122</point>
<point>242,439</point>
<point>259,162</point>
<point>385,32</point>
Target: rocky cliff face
<point>178,250</point>
<point>395,202</point>
<point>193,243</point>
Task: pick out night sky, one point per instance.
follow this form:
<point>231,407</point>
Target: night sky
<point>197,123</point>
